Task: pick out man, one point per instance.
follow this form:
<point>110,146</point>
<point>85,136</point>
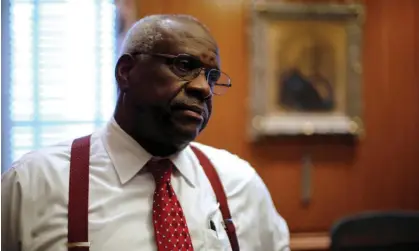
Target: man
<point>167,76</point>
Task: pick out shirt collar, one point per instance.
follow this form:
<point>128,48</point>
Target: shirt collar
<point>129,157</point>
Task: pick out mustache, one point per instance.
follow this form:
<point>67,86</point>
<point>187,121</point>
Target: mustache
<point>186,103</point>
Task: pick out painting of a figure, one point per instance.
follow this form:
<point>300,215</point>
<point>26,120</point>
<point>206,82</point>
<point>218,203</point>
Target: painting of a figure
<point>306,91</point>
<point>306,69</point>
<point>309,66</point>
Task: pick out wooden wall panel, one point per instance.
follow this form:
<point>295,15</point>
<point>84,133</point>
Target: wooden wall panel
<point>379,172</point>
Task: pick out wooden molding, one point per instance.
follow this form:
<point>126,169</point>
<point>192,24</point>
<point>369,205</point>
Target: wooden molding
<point>310,241</point>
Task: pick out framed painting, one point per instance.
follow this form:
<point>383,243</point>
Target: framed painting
<point>305,69</point>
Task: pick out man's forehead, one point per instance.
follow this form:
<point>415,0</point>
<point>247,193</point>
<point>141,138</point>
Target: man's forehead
<point>184,28</point>
<point>190,38</point>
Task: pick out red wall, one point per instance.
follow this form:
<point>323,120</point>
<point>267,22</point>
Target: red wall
<point>381,171</point>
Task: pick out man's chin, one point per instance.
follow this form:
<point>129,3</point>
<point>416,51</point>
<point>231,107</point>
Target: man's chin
<point>186,133</point>
<point>183,133</point>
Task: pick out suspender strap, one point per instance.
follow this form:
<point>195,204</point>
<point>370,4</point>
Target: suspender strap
<point>78,203</point>
<point>220,195</point>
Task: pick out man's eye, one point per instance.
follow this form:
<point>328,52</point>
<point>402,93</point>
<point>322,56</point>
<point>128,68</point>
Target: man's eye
<point>186,64</point>
<point>213,76</point>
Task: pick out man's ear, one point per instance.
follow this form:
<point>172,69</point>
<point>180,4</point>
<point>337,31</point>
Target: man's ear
<point>122,70</point>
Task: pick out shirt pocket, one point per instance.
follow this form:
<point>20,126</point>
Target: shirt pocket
<point>216,238</point>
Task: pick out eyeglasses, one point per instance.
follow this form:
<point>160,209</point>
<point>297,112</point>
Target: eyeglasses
<point>188,67</point>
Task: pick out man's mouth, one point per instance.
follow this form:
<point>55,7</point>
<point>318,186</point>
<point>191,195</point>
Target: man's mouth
<point>189,111</point>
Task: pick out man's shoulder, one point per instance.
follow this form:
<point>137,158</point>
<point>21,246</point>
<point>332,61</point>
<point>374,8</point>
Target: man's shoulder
<point>54,156</point>
<point>232,169</point>
<point>47,158</point>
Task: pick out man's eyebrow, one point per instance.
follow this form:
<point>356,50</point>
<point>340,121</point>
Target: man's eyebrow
<point>210,63</point>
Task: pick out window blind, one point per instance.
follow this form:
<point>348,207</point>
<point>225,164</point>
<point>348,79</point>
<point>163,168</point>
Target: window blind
<point>61,75</point>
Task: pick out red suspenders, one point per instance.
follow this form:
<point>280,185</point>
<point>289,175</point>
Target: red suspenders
<point>78,203</point>
<point>217,186</point>
<point>78,197</point>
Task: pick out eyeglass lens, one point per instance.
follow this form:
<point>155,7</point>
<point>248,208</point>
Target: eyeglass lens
<point>218,81</point>
<point>188,68</point>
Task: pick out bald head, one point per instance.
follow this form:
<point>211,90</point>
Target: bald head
<point>155,31</point>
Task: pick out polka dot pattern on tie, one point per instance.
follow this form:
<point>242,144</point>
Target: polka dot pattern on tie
<point>170,228</point>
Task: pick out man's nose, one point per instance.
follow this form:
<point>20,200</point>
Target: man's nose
<point>199,87</point>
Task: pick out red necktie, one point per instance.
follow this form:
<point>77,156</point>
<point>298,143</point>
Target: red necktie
<point>170,228</point>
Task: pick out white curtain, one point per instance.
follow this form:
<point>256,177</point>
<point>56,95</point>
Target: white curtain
<point>59,73</point>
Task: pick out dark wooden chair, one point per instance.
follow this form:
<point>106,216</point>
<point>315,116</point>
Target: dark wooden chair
<point>377,231</point>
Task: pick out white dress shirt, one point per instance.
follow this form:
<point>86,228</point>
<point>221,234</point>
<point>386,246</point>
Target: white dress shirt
<point>34,193</point>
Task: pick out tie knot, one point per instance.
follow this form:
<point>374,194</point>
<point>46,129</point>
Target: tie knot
<point>161,169</point>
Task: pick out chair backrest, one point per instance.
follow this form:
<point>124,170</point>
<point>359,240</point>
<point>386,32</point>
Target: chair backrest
<point>384,231</point>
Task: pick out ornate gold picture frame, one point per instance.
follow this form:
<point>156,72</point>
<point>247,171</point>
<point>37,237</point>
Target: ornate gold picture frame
<point>305,69</point>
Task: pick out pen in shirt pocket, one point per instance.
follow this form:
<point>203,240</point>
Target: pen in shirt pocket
<point>212,226</point>
<point>211,215</point>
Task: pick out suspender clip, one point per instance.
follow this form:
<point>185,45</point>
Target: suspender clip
<point>78,244</point>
